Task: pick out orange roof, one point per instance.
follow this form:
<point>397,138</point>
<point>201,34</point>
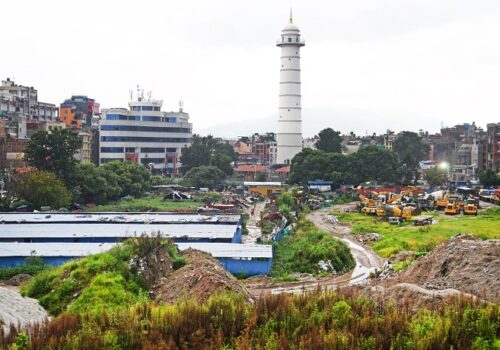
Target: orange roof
<point>285,169</point>
<point>250,168</point>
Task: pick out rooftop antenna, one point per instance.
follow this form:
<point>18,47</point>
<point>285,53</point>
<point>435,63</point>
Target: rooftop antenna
<point>181,106</point>
<point>149,95</point>
<point>131,92</point>
<point>138,93</point>
<point>291,17</point>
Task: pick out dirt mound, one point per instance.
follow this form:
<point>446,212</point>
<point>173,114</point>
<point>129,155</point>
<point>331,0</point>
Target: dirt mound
<point>202,277</point>
<point>464,262</point>
<point>154,266</point>
<point>413,297</point>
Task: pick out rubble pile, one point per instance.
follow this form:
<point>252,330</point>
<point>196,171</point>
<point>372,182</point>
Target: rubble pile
<point>365,238</point>
<point>464,262</point>
<point>412,296</point>
<point>202,277</point>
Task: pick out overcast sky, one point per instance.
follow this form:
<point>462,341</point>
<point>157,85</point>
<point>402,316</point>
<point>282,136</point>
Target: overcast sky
<point>367,65</point>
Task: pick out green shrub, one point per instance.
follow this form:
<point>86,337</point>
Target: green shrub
<point>302,251</point>
<point>31,266</point>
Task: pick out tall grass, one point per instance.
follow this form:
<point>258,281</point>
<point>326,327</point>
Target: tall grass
<point>318,320</point>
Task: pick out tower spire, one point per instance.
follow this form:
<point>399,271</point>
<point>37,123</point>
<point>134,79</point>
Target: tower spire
<point>291,17</point>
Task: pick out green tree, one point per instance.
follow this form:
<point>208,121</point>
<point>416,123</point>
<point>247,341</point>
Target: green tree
<point>126,178</point>
<point>410,149</point>
<point>329,141</point>
<point>208,151</point>
<point>436,176</point>
<point>92,184</point>
<point>205,176</point>
<point>375,164</point>
<point>489,178</point>
<point>43,188</point>
<point>54,152</point>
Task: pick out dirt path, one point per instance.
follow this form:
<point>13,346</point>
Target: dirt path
<point>254,231</point>
<point>366,261</point>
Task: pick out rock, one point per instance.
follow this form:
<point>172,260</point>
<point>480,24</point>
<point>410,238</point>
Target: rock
<point>14,309</point>
<point>18,279</point>
<point>367,237</point>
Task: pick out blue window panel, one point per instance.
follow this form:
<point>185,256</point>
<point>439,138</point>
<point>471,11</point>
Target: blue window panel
<point>143,128</point>
<point>144,139</point>
<point>171,150</point>
<point>136,108</point>
<point>156,109</point>
<point>116,117</point>
<point>147,108</point>
<point>170,119</point>
<point>111,149</point>
<point>152,150</point>
<point>148,118</point>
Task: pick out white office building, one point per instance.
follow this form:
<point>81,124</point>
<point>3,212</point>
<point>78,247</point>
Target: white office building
<point>289,135</point>
<point>144,134</point>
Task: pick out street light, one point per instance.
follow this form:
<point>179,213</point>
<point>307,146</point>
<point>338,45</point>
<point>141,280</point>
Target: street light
<point>443,165</point>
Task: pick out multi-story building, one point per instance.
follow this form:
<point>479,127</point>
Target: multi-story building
<point>79,111</point>
<point>19,99</point>
<point>389,138</point>
<point>492,147</point>
<point>144,134</point>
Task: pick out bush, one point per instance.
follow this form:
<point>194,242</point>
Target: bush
<point>44,188</point>
<point>302,251</point>
<point>31,266</point>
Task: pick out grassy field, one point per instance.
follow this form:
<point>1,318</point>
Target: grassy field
<point>153,203</point>
<point>422,239</point>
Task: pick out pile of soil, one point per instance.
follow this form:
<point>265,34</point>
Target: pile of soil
<point>154,267</point>
<point>413,297</point>
<point>202,277</point>
<point>464,262</point>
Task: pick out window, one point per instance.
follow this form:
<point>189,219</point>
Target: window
<point>136,108</point>
<point>106,160</point>
<point>152,150</point>
<point>111,149</point>
<point>144,139</point>
<point>156,109</point>
<point>116,117</point>
<point>171,150</point>
<point>135,117</point>
<point>289,40</point>
<point>147,118</point>
<point>147,108</point>
<point>129,149</point>
<point>143,128</point>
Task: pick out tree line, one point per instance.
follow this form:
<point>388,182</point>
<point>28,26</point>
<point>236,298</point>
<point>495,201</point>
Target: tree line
<point>369,163</point>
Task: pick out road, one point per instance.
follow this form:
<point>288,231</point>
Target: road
<point>254,231</point>
<point>366,259</point>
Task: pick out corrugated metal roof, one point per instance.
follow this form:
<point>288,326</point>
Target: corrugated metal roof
<point>231,250</point>
<point>254,183</point>
<point>52,249</point>
<point>116,217</point>
<point>226,231</point>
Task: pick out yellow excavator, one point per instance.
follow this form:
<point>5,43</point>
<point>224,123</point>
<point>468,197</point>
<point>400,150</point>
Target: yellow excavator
<point>368,206</point>
<point>442,203</point>
<point>470,207</point>
<point>453,207</point>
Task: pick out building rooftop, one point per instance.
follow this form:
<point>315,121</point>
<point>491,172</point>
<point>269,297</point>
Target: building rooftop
<point>52,249</point>
<point>116,230</point>
<point>231,250</point>
<point>163,218</point>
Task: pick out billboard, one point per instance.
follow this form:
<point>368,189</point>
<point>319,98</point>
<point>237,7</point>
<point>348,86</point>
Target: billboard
<point>15,156</point>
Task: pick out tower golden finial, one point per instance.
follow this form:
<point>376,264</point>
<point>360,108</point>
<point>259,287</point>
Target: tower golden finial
<point>291,20</point>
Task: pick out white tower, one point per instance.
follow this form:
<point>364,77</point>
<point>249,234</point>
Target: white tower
<point>289,135</point>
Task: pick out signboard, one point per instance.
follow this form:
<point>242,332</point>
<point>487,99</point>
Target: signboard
<point>15,156</point>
